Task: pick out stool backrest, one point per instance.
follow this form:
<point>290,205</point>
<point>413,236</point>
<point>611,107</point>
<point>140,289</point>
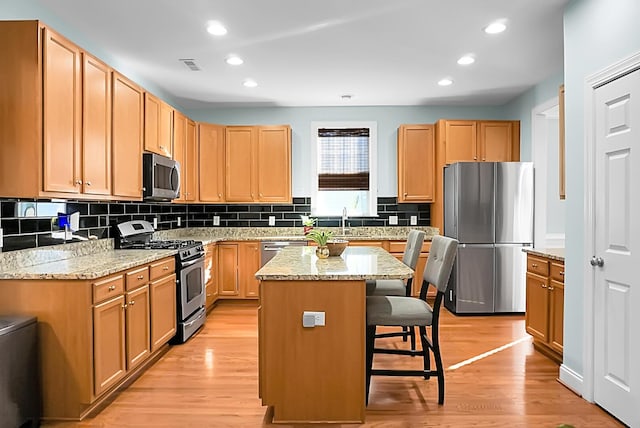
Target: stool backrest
<point>413,248</point>
<point>440,262</point>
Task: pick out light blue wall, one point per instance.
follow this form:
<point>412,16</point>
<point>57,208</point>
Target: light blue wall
<point>555,206</point>
<point>300,118</point>
<point>30,10</point>
<point>520,109</point>
<point>597,33</point>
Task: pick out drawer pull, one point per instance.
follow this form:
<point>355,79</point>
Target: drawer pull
<point>131,303</point>
<point>124,306</point>
<point>165,268</point>
<point>112,287</point>
<point>140,276</point>
<point>562,272</point>
<point>543,285</point>
<point>534,265</point>
<point>551,288</point>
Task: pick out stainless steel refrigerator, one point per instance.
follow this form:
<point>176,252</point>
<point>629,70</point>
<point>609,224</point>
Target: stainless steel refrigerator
<point>488,208</point>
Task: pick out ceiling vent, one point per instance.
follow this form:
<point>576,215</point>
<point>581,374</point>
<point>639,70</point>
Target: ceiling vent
<point>191,63</point>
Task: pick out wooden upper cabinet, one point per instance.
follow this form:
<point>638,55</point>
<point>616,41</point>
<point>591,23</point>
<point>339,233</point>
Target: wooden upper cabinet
<point>258,164</point>
<point>211,161</point>
<point>460,141</point>
<point>416,157</point>
<point>239,163</point>
<point>494,141</point>
<point>185,152</point>
<point>158,126</point>
<point>62,112</point>
<point>96,126</point>
<point>273,160</point>
<point>127,126</point>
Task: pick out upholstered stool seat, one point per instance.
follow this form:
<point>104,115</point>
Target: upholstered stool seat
<point>398,311</point>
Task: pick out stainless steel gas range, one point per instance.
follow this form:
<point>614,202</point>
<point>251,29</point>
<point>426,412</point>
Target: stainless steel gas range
<point>190,285</point>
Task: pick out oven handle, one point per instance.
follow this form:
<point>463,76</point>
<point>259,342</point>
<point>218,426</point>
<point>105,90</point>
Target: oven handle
<point>192,262</point>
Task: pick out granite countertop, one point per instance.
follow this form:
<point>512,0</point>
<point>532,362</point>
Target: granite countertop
<point>95,259</point>
<point>88,266</point>
<point>355,263</point>
<point>551,253</point>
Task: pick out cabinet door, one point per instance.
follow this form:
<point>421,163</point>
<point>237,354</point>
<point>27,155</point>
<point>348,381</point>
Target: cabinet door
<point>416,157</point>
<point>460,141</point>
<point>239,163</point>
<point>211,162</point>
<point>152,123</point>
<point>163,310</point>
<point>179,150</point>
<point>249,265</point>
<point>137,321</point>
<point>537,310</point>
<point>273,158</point>
<point>494,141</point>
<point>556,316</point>
<point>127,135</point>
<point>165,130</point>
<point>96,126</point>
<point>191,160</point>
<point>209,275</point>
<point>109,364</point>
<point>62,115</point>
<point>228,270</point>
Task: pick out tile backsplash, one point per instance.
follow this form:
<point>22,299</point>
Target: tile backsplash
<point>25,225</point>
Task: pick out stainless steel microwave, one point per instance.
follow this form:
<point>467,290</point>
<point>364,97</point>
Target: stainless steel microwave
<point>161,177</point>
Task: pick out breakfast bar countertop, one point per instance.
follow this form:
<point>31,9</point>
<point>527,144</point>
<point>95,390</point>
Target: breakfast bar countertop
<point>355,263</point>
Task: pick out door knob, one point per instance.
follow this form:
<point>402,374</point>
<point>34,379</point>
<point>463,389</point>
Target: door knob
<point>597,261</point>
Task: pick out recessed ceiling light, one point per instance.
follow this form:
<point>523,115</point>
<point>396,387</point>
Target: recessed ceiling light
<point>250,83</point>
<point>234,60</point>
<point>216,28</point>
<point>445,82</point>
<point>466,60</point>
<point>495,27</point>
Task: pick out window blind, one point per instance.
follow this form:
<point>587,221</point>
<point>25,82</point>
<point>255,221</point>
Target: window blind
<point>343,161</point>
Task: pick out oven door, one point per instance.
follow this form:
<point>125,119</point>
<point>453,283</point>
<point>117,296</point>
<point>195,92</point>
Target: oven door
<point>190,287</point>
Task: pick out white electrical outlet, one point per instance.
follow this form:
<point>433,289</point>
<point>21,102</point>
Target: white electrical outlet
<point>216,220</point>
<point>272,220</point>
<point>0,238</point>
<point>414,220</point>
<point>155,222</point>
<point>393,220</point>
<point>179,221</point>
<point>318,319</point>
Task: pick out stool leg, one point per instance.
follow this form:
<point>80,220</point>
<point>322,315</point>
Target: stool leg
<point>425,351</point>
<point>370,341</point>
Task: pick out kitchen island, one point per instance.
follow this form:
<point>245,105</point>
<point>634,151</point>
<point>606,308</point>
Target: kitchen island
<point>317,374</point>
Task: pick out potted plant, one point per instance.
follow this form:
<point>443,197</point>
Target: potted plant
<point>320,237</point>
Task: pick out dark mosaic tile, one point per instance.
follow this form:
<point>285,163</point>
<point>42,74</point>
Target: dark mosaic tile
<point>283,208</point>
<point>302,208</point>
<point>228,216</point>
<point>131,209</point>
<point>238,223</point>
<point>238,208</point>
<point>116,208</point>
<point>299,201</point>
<point>387,200</point>
<point>45,240</point>
<point>265,216</point>
<point>7,209</point>
<point>32,225</point>
<point>82,208</point>
<point>10,226</point>
<point>249,216</point>
<point>89,221</point>
<point>144,209</point>
<point>195,208</point>
<point>260,208</point>
<point>12,243</point>
<point>96,208</point>
<point>215,208</point>
<point>260,223</point>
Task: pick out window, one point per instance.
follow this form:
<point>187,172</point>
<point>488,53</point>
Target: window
<point>344,175</point>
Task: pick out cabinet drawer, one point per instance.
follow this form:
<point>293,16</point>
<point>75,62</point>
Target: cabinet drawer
<point>557,272</point>
<point>539,266</point>
<point>399,246</point>
<point>161,268</point>
<point>107,288</point>
<point>137,277</point>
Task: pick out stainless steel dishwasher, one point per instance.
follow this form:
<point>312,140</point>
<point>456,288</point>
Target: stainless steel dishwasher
<point>268,249</point>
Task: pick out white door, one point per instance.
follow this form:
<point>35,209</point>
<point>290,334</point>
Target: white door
<point>617,248</point>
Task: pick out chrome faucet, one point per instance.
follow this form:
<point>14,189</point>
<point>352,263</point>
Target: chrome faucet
<point>344,220</point>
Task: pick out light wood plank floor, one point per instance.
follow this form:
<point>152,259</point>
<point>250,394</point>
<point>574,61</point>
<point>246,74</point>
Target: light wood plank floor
<point>211,381</point>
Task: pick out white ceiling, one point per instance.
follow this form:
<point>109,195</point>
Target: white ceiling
<point>309,53</point>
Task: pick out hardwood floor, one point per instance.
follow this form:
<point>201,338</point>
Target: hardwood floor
<point>212,381</point>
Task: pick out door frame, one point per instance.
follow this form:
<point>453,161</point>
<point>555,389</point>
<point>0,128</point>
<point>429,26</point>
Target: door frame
<point>593,82</point>
<point>539,150</point>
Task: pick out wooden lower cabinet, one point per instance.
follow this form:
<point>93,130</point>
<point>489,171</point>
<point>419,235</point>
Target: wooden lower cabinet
<point>545,305</point>
<point>237,264</point>
<point>210,275</point>
<point>94,335</point>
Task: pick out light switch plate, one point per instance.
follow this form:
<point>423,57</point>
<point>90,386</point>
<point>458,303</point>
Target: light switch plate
<point>0,238</point>
<point>155,222</point>
<point>216,220</point>
<point>179,221</point>
<point>393,220</point>
<point>272,220</point>
<point>414,220</point>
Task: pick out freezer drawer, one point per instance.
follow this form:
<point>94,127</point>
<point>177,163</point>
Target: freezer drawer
<point>510,288</point>
<point>471,285</point>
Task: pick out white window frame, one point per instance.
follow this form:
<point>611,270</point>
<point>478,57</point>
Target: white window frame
<point>373,164</point>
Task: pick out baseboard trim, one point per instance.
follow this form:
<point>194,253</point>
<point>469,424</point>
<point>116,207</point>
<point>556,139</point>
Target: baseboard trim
<point>571,379</point>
